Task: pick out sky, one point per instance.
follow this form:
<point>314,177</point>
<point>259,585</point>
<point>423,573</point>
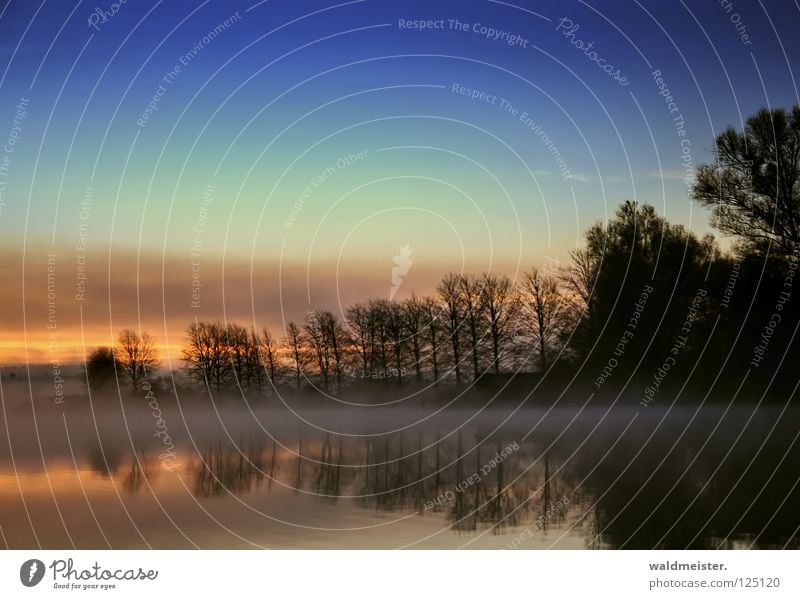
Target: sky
<point>253,160</point>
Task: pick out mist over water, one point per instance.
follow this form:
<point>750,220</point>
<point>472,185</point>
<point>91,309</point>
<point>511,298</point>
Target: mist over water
<point>289,473</point>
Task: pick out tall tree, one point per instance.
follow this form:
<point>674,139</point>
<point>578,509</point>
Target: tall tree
<point>500,303</point>
<point>207,355</point>
<point>433,317</point>
<point>318,343</point>
<point>136,355</point>
<point>754,189</point>
<point>294,345</point>
<point>472,300</point>
<point>449,291</point>
<point>579,277</point>
<point>380,315</point>
<point>361,325</point>
<point>415,323</point>
<point>396,329</point>
<point>237,343</point>
<point>543,311</point>
<point>336,338</point>
<point>270,356</point>
<point>638,261</point>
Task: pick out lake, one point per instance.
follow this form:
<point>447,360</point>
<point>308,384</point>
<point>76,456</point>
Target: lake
<point>113,474</point>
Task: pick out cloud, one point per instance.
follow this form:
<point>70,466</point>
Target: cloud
<point>581,178</point>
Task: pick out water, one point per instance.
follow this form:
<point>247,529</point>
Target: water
<point>356,477</point>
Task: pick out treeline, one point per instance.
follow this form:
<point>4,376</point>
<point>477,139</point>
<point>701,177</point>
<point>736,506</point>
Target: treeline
<point>643,300</point>
<point>471,325</point>
<point>643,297</point>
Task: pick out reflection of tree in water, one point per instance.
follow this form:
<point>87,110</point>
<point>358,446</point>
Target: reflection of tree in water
<point>329,470</point>
<point>139,472</point>
<point>617,495</point>
<point>229,469</point>
<point>706,504</point>
<point>390,477</point>
<point>401,471</point>
<point>483,496</point>
<point>446,478</point>
<point>105,460</point>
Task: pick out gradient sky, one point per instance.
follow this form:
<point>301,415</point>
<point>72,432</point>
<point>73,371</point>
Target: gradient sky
<point>288,91</point>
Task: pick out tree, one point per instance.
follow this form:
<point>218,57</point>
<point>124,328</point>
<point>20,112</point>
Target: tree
<point>238,351</point>
<point>579,278</point>
<point>101,367</point>
<point>471,298</point>
<point>449,291</point>
<point>136,355</point>
<point>544,312</point>
<point>268,352</point>
<point>294,345</point>
<point>433,317</point>
<point>754,189</point>
<point>318,345</point>
<point>207,354</point>
<point>636,262</point>
<point>380,342</point>
<point>337,340</point>
<point>414,312</point>
<point>325,340</point>
<point>396,329</point>
<point>500,303</point>
<point>253,362</point>
<point>361,324</point>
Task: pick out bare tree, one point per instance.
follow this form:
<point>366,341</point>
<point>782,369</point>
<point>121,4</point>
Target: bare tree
<point>395,323</point>
<point>414,312</point>
<point>433,319</point>
<point>207,354</point>
<point>544,312</point>
<point>294,345</point>
<point>326,341</point>
<point>136,355</point>
<point>449,291</point>
<point>500,303</point>
<point>237,341</point>
<point>269,356</point>
<point>380,344</point>
<point>255,369</point>
<point>336,339</point>
<point>361,323</point>
<point>578,280</point>
<point>315,333</point>
<point>472,297</point>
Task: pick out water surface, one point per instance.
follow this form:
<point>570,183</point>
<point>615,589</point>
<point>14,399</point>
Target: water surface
<point>259,477</point>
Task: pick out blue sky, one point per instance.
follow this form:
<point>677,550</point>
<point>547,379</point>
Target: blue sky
<point>286,90</point>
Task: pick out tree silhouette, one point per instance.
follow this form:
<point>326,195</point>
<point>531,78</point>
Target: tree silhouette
<point>100,367</point>
<point>449,291</point>
<point>269,356</point>
<point>294,344</point>
<point>501,305</point>
<point>754,189</point>
<point>136,355</point>
<point>544,312</point>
